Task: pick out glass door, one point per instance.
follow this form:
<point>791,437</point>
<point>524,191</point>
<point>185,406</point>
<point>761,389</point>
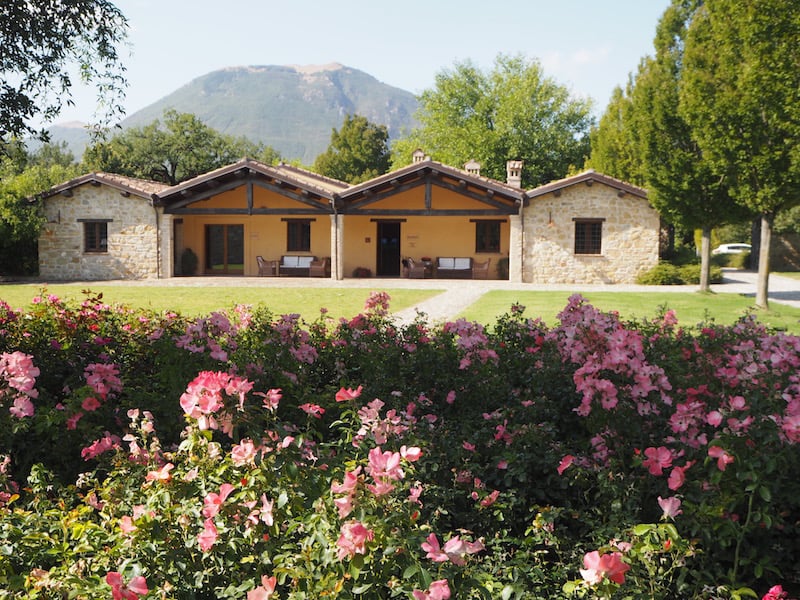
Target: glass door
<point>224,250</point>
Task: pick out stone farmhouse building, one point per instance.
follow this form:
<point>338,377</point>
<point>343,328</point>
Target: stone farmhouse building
<point>424,220</point>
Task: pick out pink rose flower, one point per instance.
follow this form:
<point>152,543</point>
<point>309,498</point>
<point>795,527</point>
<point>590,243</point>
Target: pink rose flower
<point>671,506</point>
<point>598,567</point>
<point>136,587</point>
<point>343,395</point>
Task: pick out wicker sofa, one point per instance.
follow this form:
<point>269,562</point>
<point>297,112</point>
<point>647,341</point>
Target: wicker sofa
<point>453,267</point>
<point>295,265</point>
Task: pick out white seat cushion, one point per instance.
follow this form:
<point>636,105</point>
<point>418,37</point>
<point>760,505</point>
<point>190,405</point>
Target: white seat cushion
<point>461,263</point>
<point>446,262</point>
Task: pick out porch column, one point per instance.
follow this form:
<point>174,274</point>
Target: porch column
<point>337,244</point>
<point>516,244</point>
<point>166,248</point>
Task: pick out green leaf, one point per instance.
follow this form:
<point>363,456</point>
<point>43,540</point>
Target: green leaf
<point>642,529</point>
<point>765,493</point>
<point>362,588</point>
<point>410,571</point>
<point>507,592</point>
<point>283,498</point>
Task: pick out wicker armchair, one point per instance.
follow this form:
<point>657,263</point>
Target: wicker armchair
<point>320,268</point>
<point>415,270</point>
<point>267,268</point>
<point>480,270</point>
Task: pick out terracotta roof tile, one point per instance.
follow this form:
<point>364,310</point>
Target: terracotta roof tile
<point>140,187</point>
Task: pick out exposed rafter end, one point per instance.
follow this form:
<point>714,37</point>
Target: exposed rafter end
<point>67,193</point>
<point>620,193</point>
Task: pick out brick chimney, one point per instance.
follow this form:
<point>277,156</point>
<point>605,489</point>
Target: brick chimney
<point>473,167</point>
<point>514,173</point>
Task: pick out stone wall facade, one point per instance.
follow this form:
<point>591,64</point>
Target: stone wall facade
<point>629,244</point>
<point>133,236</point>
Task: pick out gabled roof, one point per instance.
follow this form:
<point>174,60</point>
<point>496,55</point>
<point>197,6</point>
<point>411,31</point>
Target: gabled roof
<point>143,188</point>
<point>429,167</point>
<point>232,175</point>
<point>588,177</point>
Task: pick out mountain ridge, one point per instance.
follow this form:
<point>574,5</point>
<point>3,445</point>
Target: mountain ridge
<point>292,108</point>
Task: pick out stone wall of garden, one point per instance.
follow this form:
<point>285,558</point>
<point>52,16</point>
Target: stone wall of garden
<point>630,236</point>
<point>132,251</point>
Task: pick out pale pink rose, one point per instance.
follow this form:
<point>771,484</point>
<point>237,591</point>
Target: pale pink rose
<point>126,525</point>
<point>599,566</point>
<point>265,590</point>
<point>723,458</point>
<point>353,538</point>
<point>243,453</point>
<point>213,501</point>
<point>411,454</point>
<point>438,590</point>
<point>671,506</point>
<point>208,537</point>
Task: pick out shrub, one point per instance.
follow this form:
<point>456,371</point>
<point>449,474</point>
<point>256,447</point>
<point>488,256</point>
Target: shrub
<point>662,274</point>
<point>668,274</point>
<point>246,455</point>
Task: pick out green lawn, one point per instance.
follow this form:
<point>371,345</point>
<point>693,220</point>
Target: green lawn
<point>691,308</point>
<point>340,302</point>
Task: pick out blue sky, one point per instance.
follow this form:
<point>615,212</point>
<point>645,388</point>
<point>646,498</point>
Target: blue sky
<point>590,46</point>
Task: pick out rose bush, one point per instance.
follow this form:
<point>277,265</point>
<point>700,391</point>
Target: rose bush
<point>243,455</point>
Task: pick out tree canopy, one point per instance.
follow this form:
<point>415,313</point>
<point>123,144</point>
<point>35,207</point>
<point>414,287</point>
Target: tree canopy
<point>740,94</point>
<point>21,178</point>
<point>178,149</point>
<point>40,43</point>
<point>358,151</point>
<point>682,183</point>
<point>511,112</point>
<point>614,142</point>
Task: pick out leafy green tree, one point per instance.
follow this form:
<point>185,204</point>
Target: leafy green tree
<point>614,142</point>
<point>40,42</point>
<point>740,94</point>
<point>179,149</point>
<point>20,218</point>
<point>680,179</point>
<point>512,112</point>
<point>358,151</point>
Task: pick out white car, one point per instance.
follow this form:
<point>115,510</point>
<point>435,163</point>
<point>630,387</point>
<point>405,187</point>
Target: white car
<point>731,249</point>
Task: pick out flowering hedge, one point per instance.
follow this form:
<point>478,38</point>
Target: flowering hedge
<point>248,455</point>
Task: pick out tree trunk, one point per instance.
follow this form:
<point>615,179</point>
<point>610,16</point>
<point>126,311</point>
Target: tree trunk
<point>705,260</point>
<point>762,287</point>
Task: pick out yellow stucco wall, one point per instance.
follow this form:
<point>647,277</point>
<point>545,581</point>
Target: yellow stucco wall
<point>429,236</point>
<point>441,199</point>
<point>264,235</point>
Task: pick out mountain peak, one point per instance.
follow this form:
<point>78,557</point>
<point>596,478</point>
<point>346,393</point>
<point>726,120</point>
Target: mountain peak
<point>314,69</point>
<point>292,108</point>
